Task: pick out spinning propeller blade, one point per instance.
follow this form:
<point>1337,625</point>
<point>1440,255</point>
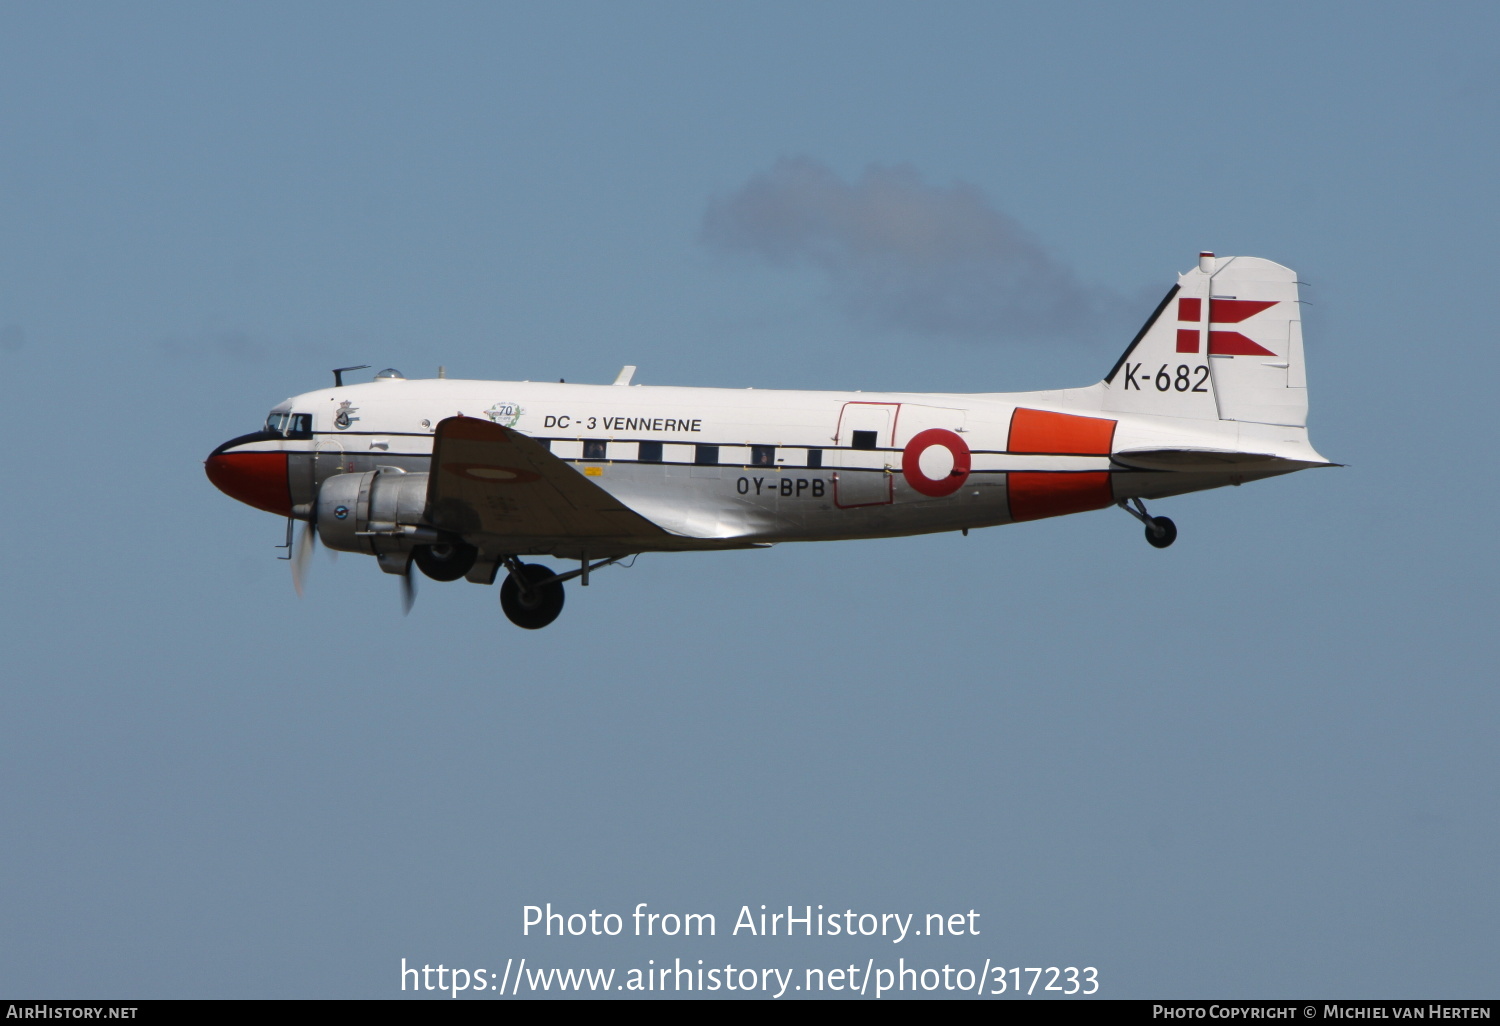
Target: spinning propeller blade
<point>303,556</point>
<point>408,591</point>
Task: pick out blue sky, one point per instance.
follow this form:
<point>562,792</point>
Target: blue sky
<point>1261,763</point>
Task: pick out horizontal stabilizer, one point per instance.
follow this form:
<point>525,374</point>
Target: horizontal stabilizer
<point>1212,461</point>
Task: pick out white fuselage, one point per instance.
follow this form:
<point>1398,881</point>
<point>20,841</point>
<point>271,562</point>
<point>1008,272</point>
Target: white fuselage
<point>721,467</point>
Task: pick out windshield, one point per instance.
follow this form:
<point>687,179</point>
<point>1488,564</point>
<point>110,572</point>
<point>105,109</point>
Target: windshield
<point>290,425</point>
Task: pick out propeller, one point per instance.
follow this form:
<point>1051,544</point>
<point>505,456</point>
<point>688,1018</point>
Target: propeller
<point>408,591</point>
<point>303,555</point>
<point>308,542</point>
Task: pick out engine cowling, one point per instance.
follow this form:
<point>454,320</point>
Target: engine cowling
<point>378,512</point>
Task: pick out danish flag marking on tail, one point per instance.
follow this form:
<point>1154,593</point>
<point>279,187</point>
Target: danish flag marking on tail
<point>1232,343</point>
<point>1232,311</point>
<point>1220,311</point>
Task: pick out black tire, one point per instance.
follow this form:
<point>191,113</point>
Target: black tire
<point>1161,532</point>
<point>445,561</point>
<point>538,609</point>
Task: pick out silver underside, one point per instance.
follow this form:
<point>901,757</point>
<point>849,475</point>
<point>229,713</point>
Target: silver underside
<point>727,507</point>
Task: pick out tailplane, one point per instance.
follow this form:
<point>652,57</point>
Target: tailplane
<point>1225,344</point>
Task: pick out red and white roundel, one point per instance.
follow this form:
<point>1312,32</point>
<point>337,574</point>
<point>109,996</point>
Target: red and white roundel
<point>935,473</point>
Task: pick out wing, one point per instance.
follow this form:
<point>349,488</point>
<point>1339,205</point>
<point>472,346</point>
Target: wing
<point>491,480</point>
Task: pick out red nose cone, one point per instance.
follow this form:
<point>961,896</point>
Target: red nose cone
<point>257,479</point>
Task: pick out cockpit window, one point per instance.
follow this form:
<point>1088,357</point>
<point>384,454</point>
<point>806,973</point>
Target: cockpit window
<point>290,425</point>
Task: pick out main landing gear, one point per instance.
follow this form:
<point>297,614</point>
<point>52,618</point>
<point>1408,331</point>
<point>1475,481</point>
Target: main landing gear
<point>1160,531</point>
<point>532,595</point>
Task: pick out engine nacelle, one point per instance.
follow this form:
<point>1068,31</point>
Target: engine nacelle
<point>378,512</point>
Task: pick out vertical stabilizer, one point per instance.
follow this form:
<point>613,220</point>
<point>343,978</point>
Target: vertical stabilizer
<point>1226,344</point>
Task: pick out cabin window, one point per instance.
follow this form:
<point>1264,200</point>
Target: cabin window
<point>593,448</point>
<point>863,440</point>
<point>814,458</point>
<point>650,452</point>
<point>763,455</point>
<point>706,455</point>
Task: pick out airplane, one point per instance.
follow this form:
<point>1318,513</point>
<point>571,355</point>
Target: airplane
<point>460,479</point>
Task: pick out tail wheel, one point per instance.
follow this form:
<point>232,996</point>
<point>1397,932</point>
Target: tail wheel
<point>536,605</point>
<point>1161,532</point>
<point>446,561</point>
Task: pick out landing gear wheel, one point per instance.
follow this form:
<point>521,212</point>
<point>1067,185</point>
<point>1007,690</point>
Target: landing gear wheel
<point>445,561</point>
<point>538,605</point>
<point>1161,532</point>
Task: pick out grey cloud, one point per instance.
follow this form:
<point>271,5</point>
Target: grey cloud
<point>901,253</point>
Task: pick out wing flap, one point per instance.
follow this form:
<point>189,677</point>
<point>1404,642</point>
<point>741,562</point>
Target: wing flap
<point>491,480</point>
